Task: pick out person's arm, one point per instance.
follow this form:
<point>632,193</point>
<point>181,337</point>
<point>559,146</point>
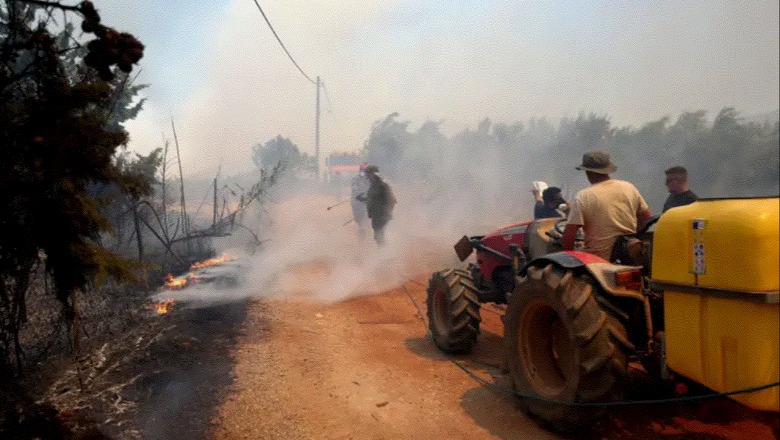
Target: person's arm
<point>642,218</point>
<point>569,234</point>
<point>643,214</point>
<point>573,224</point>
<point>564,208</point>
<point>538,207</point>
<point>391,200</point>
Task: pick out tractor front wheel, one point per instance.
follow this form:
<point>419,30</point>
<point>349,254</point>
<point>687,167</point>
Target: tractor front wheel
<point>453,310</point>
<point>561,347</point>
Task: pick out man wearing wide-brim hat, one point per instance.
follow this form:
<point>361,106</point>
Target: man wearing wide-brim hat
<point>607,209</point>
<point>380,201</point>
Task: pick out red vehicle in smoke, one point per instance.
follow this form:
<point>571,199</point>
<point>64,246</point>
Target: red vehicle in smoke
<point>559,339</point>
<point>501,253</point>
<point>495,255</point>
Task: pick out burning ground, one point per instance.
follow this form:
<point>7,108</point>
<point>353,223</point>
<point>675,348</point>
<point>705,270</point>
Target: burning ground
<point>163,378</point>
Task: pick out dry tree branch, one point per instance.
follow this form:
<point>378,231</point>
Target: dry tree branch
<point>51,5</point>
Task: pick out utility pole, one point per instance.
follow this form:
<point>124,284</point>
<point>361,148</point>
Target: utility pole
<point>317,130</point>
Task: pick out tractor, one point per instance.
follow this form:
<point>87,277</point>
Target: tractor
<point>673,299</point>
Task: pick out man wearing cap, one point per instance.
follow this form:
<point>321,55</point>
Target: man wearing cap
<point>380,201</point>
<point>606,210</point>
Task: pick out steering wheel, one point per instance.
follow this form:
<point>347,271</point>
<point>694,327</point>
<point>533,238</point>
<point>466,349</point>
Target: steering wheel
<point>653,220</point>
<point>560,225</point>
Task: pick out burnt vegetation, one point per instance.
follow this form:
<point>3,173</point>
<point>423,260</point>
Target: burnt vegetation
<point>86,227</point>
<point>60,135</point>
<point>57,143</point>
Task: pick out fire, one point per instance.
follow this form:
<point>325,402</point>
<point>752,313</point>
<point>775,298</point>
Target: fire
<point>172,283</point>
<point>162,307</point>
<point>210,262</point>
<point>175,283</point>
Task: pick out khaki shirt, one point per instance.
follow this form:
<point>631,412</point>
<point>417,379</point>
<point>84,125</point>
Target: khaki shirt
<point>606,210</point>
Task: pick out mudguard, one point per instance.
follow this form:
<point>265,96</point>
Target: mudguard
<point>565,259</point>
<point>602,270</point>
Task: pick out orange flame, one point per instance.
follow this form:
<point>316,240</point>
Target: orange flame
<point>175,283</point>
<point>210,262</point>
<point>162,307</point>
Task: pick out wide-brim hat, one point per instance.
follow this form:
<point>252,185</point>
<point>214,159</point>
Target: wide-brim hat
<point>597,162</point>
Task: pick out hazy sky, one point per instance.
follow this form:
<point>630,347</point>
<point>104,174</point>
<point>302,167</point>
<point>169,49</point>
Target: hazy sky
<point>216,68</point>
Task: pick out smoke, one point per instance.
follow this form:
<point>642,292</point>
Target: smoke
<point>319,253</point>
<point>467,184</point>
<point>314,252</point>
<point>481,178</point>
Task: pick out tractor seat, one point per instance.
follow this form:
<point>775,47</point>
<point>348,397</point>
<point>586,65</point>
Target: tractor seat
<point>632,251</point>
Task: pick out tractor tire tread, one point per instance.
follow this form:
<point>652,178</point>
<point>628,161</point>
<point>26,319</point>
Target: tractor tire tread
<point>574,298</point>
<point>602,359</point>
<point>588,328</point>
<point>619,337</point>
<point>455,328</point>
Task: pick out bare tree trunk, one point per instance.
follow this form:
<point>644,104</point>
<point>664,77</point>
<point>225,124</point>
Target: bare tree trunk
<point>185,225</point>
<point>214,216</point>
<point>137,226</point>
<point>163,179</point>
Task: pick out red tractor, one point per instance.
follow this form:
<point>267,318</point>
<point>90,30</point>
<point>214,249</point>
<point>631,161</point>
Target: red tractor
<point>571,318</point>
<point>500,256</point>
<point>574,321</point>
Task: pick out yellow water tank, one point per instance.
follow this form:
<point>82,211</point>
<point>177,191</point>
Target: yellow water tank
<point>718,263</point>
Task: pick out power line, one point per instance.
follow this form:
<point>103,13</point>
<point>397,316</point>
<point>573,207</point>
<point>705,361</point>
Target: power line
<point>282,44</point>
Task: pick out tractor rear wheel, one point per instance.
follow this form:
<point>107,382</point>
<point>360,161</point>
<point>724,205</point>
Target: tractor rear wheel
<point>453,310</point>
<point>561,346</point>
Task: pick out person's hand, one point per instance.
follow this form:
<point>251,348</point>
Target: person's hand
<point>537,194</point>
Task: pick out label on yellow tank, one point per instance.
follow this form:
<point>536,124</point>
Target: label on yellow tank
<point>699,266</point>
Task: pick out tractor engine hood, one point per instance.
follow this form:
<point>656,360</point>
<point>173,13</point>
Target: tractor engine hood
<point>496,243</point>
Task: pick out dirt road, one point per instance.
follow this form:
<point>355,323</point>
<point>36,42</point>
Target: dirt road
<point>361,369</point>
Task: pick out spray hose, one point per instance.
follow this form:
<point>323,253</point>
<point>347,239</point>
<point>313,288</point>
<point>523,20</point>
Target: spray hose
<point>512,392</point>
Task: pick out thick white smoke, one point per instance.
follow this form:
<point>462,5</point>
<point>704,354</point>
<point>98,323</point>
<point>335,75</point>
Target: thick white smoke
<point>319,253</point>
